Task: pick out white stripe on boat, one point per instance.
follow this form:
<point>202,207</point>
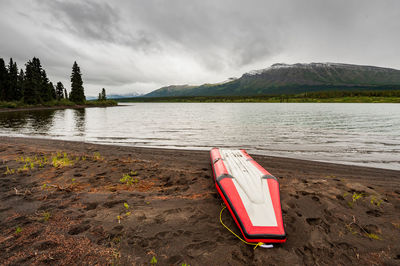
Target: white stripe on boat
<point>252,188</point>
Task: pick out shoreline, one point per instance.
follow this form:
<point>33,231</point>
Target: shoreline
<point>40,108</point>
<point>257,99</point>
<point>171,149</point>
<point>68,212</point>
<point>260,157</point>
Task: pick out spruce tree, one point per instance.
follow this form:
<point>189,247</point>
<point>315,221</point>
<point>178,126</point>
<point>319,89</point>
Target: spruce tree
<point>45,87</point>
<point>3,79</point>
<point>20,84</point>
<point>11,89</point>
<point>52,91</point>
<point>59,90</point>
<point>33,81</point>
<point>103,94</point>
<point>77,94</point>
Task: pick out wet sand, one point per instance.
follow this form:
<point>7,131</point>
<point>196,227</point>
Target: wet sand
<point>69,208</point>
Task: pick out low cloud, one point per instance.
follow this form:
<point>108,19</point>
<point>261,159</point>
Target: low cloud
<point>141,45</point>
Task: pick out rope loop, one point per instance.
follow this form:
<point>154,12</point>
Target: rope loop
<point>248,243</point>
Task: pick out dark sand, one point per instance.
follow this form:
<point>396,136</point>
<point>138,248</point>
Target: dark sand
<point>175,209</point>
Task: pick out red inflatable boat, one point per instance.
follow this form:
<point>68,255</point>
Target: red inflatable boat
<point>250,193</point>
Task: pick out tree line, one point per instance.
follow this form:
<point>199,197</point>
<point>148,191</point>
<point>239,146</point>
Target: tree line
<point>32,86</point>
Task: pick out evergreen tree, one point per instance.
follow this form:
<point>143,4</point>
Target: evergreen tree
<point>103,94</point>
<point>99,99</point>
<point>20,84</point>
<point>52,90</point>
<point>59,90</point>
<point>3,79</point>
<point>77,94</point>
<point>45,88</point>
<point>33,81</point>
<point>12,88</point>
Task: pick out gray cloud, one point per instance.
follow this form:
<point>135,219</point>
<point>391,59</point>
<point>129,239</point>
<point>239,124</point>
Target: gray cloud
<point>87,19</point>
<point>140,45</point>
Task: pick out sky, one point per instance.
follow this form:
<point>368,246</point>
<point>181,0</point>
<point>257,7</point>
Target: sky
<point>138,46</point>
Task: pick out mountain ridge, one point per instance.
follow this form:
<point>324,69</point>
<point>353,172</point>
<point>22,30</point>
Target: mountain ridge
<point>296,78</point>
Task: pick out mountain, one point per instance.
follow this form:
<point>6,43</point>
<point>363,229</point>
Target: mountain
<point>126,95</point>
<point>293,79</point>
<point>116,96</point>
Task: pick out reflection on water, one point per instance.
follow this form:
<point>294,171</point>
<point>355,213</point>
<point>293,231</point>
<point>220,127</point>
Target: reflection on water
<point>362,134</point>
<point>43,122</point>
<point>13,120</point>
<point>79,119</point>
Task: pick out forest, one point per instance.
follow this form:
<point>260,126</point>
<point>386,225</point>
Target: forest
<point>32,87</point>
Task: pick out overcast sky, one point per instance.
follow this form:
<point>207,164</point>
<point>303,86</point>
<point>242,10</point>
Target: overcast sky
<point>141,45</point>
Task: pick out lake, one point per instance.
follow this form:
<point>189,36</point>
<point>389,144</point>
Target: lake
<point>358,134</point>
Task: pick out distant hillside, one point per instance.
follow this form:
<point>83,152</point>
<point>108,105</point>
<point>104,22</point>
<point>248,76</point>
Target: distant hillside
<point>293,79</point>
<point>126,95</point>
<point>117,96</point>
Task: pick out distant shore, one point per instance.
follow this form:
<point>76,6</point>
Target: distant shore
<point>55,107</point>
<point>262,99</point>
<point>69,202</point>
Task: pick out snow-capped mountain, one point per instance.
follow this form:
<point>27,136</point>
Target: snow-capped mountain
<point>292,79</point>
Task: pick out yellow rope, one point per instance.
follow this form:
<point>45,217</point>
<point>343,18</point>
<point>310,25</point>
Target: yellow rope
<point>248,243</point>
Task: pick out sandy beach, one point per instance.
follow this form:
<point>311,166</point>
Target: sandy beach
<point>74,203</point>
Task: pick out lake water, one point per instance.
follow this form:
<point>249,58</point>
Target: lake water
<point>358,134</point>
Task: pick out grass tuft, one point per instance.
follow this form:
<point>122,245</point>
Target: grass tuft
<point>373,236</point>
<point>9,171</point>
<point>97,156</point>
<point>129,180</point>
<point>46,216</point>
<point>153,260</point>
<point>18,230</point>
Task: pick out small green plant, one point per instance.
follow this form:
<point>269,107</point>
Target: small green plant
<point>46,216</point>
<point>61,161</point>
<point>119,217</point>
<point>128,213</point>
<point>126,178</point>
<point>9,171</point>
<point>373,236</point>
<point>23,168</point>
<point>44,186</point>
<point>354,198</point>
<point>185,264</point>
<point>375,201</point>
<point>134,173</point>
<point>153,260</point>
<point>97,156</point>
<point>18,230</point>
<point>83,158</point>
